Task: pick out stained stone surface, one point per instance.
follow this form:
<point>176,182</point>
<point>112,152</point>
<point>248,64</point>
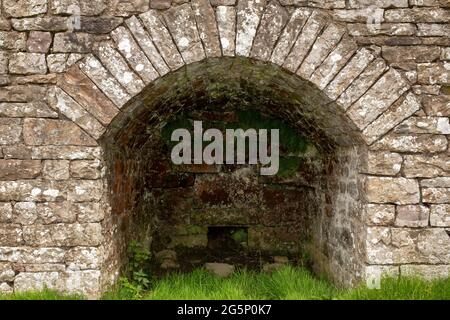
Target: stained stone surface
<point>73,101</point>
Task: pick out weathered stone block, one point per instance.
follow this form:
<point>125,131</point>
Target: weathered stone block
<point>56,170</point>
<point>29,110</point>
<point>134,55</point>
<point>248,15</point>
<point>272,23</point>
<point>412,216</point>
<point>434,73</point>
<point>162,39</point>
<point>384,163</point>
<point>73,42</point>
<point>429,272</point>
<point>118,67</point>
<point>42,23</point>
<point>440,215</point>
<point>12,40</point>
<point>61,234</point>
<point>182,26</point>
<point>54,132</point>
<point>39,41</point>
<point>10,131</point>
<point>316,22</point>
<point>147,45</point>
<point>87,7</point>
<point>19,169</point>
<point>88,95</point>
<point>5,212</point>
<point>7,274</point>
<point>32,255</point>
<point>11,235</point>
<point>61,101</point>
<point>380,214</point>
<point>61,62</point>
<point>426,166</point>
<point>81,258</point>
<point>207,27</point>
<point>412,143</point>
<point>27,63</point>
<point>432,125</point>
<point>380,97</point>
<point>85,169</point>
<point>104,81</point>
<point>392,190</point>
<point>400,110</point>
<point>436,195</point>
<point>226,23</point>
<point>24,8</point>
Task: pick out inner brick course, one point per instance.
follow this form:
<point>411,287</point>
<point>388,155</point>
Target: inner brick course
<point>78,106</point>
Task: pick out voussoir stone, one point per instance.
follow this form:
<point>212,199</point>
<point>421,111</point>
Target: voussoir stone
<point>248,15</point>
<point>182,26</point>
<point>226,22</point>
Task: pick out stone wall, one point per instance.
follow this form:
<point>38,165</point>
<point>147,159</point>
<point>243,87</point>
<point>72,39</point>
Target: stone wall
<point>68,83</point>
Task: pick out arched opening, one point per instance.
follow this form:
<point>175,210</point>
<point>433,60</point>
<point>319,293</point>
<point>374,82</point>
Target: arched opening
<point>312,207</point>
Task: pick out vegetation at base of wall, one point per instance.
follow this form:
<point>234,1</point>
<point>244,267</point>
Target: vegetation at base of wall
<point>41,295</point>
<point>287,283</point>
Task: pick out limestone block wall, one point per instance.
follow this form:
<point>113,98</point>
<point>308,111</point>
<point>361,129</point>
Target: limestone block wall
<point>64,77</point>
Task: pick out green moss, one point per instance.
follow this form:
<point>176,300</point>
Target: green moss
<point>288,166</point>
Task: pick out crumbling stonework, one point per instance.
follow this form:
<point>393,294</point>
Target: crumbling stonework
<point>75,90</point>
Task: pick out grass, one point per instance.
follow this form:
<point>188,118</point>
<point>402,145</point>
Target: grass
<point>288,283</point>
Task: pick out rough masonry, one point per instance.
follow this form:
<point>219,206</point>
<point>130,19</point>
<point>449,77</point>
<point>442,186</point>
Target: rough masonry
<point>75,89</point>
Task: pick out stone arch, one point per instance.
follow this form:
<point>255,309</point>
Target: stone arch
<point>301,48</point>
<point>359,97</point>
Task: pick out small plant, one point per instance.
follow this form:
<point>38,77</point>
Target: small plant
<point>139,280</point>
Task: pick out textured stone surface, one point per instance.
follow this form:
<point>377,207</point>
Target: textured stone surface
<point>39,41</point>
<point>72,110</point>
<point>100,76</point>
<point>182,25</point>
<point>412,143</point>
<point>19,169</point>
<point>358,87</point>
<point>289,35</point>
<point>72,42</point>
<point>380,97</point>
<point>380,214</point>
<point>305,40</point>
<point>321,48</point>
<point>440,215</point>
<point>248,15</point>
<point>400,110</point>
<point>147,45</point>
<point>392,190</point>
<point>56,169</point>
<point>24,8</point>
<point>162,39</point>
<point>134,55</point>
<point>54,132</point>
<point>118,67</point>
<point>27,63</point>
<point>384,163</point>
<point>226,24</point>
<point>412,216</point>
<point>63,85</point>
<point>207,27</point>
<point>272,22</point>
<point>86,93</point>
<point>426,166</point>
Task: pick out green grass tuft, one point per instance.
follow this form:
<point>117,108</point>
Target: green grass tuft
<point>287,283</point>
